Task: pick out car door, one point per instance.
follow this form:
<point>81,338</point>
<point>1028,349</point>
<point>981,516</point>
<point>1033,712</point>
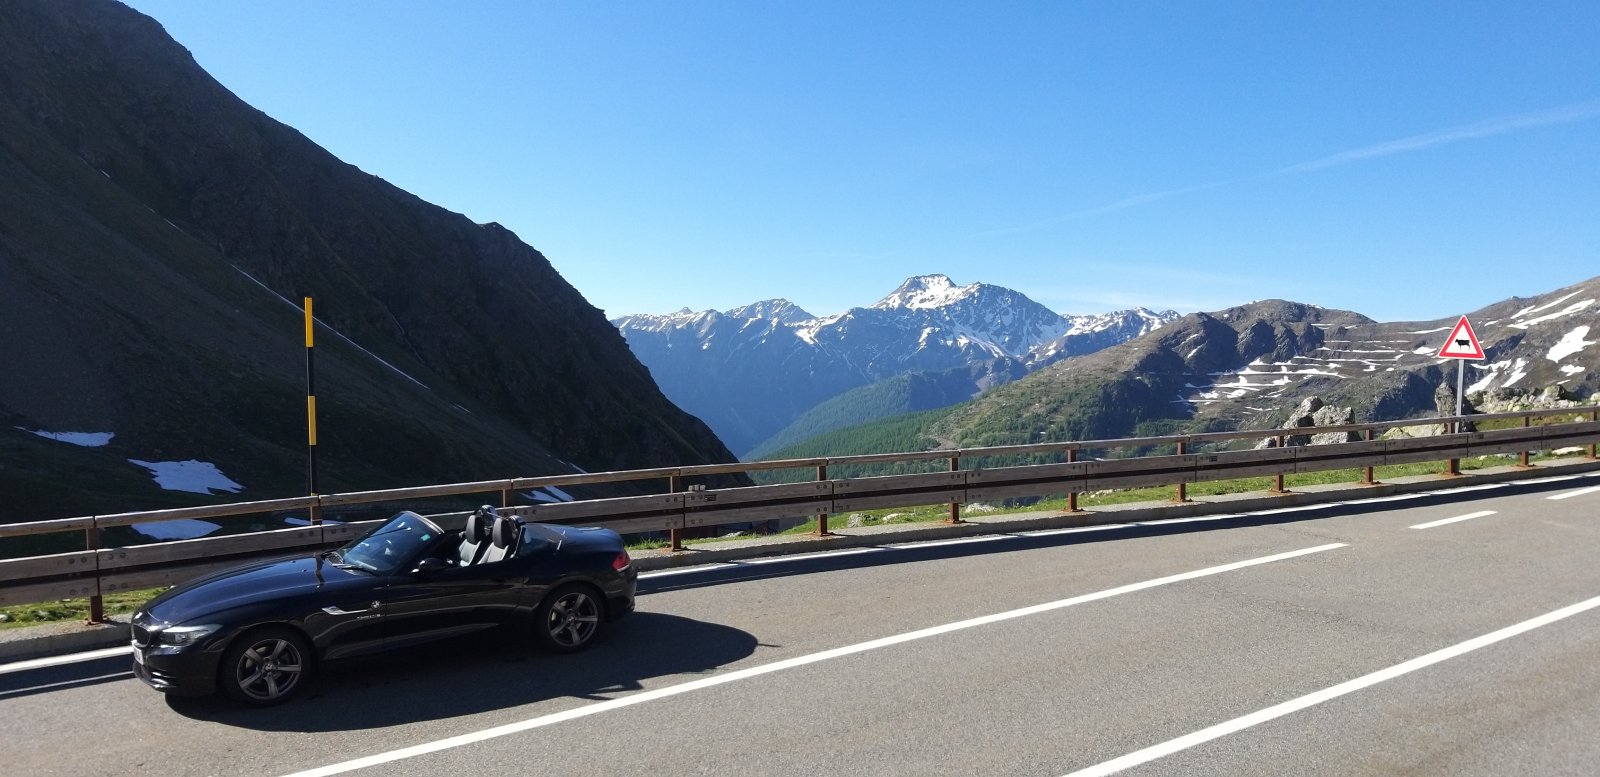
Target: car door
<point>348,621</point>
<point>456,600</point>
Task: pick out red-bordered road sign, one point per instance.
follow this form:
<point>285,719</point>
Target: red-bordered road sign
<point>1462,343</point>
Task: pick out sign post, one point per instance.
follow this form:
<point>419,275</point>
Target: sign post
<point>1461,345</point>
<point>311,413</point>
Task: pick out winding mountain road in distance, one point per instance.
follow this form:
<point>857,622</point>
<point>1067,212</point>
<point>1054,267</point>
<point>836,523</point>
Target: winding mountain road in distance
<point>1453,635</point>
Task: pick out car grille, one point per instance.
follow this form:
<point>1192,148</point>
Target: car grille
<point>141,636</point>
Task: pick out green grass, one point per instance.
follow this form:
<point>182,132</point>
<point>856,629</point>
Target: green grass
<point>20,615</point>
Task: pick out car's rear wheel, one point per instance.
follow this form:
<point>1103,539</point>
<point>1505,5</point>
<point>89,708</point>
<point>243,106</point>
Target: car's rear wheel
<point>266,666</point>
<point>569,618</point>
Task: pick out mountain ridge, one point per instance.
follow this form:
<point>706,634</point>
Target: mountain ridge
<point>753,370</point>
<point>1248,366</point>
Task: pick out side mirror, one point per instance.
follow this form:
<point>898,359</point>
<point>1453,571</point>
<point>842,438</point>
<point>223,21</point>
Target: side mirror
<point>430,565</point>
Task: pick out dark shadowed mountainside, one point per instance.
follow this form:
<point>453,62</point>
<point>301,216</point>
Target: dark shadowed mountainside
<point>156,237</point>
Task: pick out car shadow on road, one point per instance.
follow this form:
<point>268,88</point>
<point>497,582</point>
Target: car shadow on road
<point>482,672</point>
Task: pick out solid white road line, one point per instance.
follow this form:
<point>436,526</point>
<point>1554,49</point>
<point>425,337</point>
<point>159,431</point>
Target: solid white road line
<point>686,570</point>
<point>1467,517</point>
<point>790,663</point>
<point>1571,494</point>
<point>65,684</point>
<point>1311,699</point>
<point>957,541</point>
<point>41,663</point>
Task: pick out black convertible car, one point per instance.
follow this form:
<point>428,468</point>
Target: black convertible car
<point>257,631</point>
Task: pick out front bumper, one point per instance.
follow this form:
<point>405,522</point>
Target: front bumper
<point>181,673</point>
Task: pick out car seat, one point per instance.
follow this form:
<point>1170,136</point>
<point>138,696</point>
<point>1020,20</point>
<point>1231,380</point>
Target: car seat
<point>503,540</point>
<point>475,536</point>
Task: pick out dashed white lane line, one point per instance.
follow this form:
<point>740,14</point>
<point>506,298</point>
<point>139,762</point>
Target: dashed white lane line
<point>1311,699</point>
<point>1571,494</point>
<point>790,663</point>
<point>1467,517</point>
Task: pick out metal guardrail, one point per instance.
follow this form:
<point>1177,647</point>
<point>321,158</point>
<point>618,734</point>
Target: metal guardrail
<point>96,571</point>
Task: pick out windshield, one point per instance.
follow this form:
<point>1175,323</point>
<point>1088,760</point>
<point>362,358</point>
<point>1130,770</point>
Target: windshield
<point>391,546</point>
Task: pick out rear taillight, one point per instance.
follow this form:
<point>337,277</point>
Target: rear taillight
<point>621,562</point>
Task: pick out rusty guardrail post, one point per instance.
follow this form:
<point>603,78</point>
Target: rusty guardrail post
<point>1366,472</point>
<point>1522,461</point>
<point>1072,496</point>
<point>674,485</point>
<point>822,518</point>
<point>1594,415</point>
<point>1277,480</point>
<point>955,507</point>
<point>1453,468</point>
<point>1183,488</point>
<point>97,603</point>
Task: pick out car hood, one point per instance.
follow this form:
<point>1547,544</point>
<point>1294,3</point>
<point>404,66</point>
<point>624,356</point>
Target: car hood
<point>246,585</point>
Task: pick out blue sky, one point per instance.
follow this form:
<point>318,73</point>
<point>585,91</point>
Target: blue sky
<point>1404,160</point>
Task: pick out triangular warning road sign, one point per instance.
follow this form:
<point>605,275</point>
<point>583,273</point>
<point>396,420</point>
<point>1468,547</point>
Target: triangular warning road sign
<point>1462,343</point>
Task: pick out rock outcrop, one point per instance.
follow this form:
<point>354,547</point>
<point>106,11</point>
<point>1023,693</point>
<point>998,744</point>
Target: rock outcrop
<point>1312,413</point>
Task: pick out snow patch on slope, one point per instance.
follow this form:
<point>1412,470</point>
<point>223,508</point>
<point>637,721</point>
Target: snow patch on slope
<point>1570,344</point>
<point>196,477</point>
<point>1567,311</point>
<point>80,439</point>
<point>177,529</point>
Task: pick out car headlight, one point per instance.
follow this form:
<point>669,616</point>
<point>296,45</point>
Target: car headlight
<point>181,636</point>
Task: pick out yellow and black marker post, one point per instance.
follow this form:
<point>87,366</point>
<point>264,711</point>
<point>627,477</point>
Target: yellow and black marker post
<point>311,414</point>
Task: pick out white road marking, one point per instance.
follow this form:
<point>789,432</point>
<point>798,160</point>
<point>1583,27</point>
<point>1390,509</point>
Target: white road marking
<point>1075,530</point>
<point>778,666</point>
<point>958,541</point>
<point>684,570</point>
<point>1552,479</point>
<point>805,556</point>
<point>1467,517</point>
<point>1571,494</point>
<point>1311,699</point>
<point>65,683</point>
<point>41,663</point>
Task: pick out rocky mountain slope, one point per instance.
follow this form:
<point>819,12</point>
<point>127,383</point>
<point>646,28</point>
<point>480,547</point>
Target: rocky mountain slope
<point>752,371</point>
<point>1248,367</point>
<point>156,237</point>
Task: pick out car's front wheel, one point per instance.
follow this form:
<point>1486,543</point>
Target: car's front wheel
<point>569,618</point>
<point>266,666</point>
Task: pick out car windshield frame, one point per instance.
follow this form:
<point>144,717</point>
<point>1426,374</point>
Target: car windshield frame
<point>395,546</point>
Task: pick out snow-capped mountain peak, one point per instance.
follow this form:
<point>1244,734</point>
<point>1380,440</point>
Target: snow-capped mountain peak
<point>751,370</point>
<point>925,292</point>
<point>781,310</point>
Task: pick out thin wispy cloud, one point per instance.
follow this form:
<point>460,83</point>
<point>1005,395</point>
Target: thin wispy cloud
<point>1122,204</point>
<point>1502,125</point>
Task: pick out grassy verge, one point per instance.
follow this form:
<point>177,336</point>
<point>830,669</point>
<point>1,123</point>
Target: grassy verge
<point>20,615</point>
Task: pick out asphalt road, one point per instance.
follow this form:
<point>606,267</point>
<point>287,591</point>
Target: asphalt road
<point>1336,640</point>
